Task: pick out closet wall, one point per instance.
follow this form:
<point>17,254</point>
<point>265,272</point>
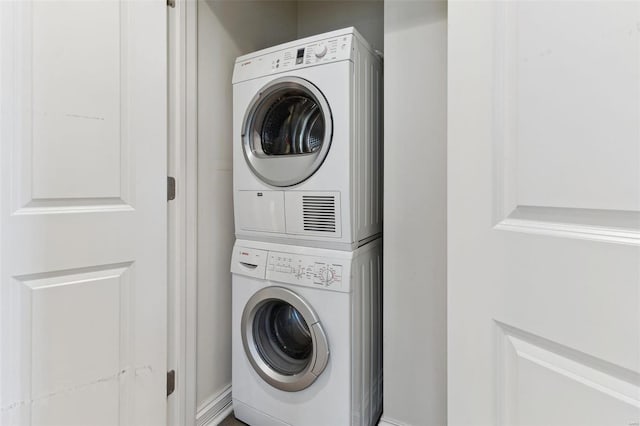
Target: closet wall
<point>415,239</point>
<point>227,29</point>
<point>316,17</point>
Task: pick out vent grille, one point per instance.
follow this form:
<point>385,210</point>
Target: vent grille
<point>319,213</point>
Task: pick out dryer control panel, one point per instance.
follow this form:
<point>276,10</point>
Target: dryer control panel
<point>308,271</point>
<point>294,56</point>
<point>329,50</point>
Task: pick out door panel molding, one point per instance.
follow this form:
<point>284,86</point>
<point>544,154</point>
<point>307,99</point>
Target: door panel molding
<point>610,226</point>
<point>83,112</point>
<point>78,205</point>
<point>578,208</point>
<point>60,310</point>
<point>518,350</point>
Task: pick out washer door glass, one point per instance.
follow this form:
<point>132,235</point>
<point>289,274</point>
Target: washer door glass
<point>287,131</point>
<point>283,339</point>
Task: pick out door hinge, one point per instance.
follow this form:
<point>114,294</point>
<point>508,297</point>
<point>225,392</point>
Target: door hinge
<point>171,3</point>
<point>171,381</point>
<point>171,188</point>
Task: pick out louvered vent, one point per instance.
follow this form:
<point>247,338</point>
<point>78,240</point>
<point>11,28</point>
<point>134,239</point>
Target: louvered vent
<point>319,213</point>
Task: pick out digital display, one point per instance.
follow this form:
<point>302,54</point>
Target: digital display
<point>300,56</point>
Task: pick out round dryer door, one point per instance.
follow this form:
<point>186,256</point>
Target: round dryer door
<point>287,131</point>
<point>283,339</point>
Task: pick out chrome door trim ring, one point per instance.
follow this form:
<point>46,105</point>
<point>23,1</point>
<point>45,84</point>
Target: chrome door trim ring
<point>311,162</point>
<point>320,351</point>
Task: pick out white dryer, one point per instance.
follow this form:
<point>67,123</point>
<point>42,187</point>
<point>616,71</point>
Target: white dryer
<point>306,339</point>
<point>307,146</point>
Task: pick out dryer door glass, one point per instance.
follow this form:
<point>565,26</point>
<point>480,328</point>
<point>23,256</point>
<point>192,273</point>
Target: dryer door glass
<point>283,339</point>
<point>293,124</point>
<point>287,131</point>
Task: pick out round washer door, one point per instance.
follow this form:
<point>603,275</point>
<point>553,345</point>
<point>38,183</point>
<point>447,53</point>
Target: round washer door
<point>287,131</point>
<point>283,339</point>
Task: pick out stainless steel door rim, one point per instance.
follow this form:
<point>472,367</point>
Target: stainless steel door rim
<point>287,131</point>
<point>283,367</point>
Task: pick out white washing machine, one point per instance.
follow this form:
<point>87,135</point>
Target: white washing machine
<point>307,145</point>
<point>306,335</point>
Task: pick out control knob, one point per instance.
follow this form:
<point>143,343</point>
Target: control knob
<point>320,50</point>
<point>326,275</point>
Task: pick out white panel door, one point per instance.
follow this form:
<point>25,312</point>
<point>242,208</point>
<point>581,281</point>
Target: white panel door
<point>83,213</point>
<point>544,213</point>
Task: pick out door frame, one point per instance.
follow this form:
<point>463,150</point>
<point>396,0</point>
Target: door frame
<point>182,92</point>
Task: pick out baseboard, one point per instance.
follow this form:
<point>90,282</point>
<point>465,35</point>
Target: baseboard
<point>388,422</point>
<point>213,412</point>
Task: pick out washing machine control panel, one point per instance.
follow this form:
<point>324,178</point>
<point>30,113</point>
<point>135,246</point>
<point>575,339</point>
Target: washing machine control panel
<point>307,270</point>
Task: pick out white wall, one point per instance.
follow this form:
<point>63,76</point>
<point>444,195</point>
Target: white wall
<point>367,16</point>
<point>226,29</point>
<point>415,47</point>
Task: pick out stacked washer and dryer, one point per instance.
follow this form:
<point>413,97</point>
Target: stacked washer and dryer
<point>307,263</point>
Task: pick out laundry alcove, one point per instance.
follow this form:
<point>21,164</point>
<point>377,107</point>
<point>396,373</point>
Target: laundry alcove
<point>226,30</point>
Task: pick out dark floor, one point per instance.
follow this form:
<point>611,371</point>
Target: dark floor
<point>231,421</point>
